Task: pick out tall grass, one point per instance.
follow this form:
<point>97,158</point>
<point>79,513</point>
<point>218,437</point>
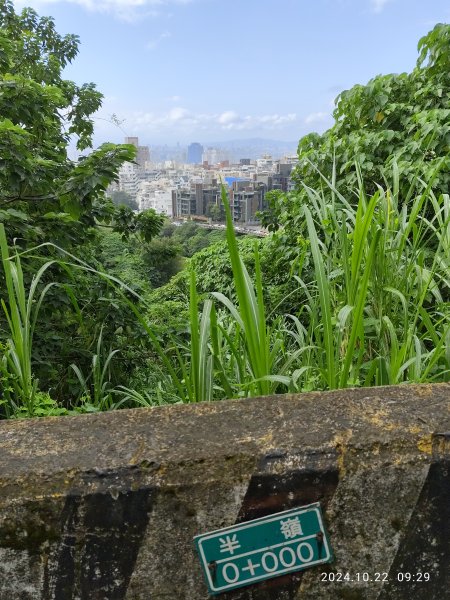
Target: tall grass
<point>232,351</point>
<point>21,311</point>
<point>95,388</point>
<point>375,282</point>
<point>257,356</point>
<point>378,314</point>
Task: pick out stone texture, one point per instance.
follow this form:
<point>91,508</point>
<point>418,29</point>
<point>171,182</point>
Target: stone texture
<point>105,506</point>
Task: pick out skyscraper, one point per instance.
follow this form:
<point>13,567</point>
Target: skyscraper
<point>134,141</point>
<point>143,152</point>
<point>194,154</point>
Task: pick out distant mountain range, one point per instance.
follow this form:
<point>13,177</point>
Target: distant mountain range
<point>255,147</point>
<point>256,142</point>
<point>233,149</point>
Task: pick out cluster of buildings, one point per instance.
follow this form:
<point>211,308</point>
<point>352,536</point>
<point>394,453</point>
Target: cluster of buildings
<point>193,190</point>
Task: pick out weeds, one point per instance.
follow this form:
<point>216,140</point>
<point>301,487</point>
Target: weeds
<point>96,389</point>
<point>21,311</point>
<point>375,312</point>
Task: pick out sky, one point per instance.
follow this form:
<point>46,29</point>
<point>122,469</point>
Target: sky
<point>179,71</point>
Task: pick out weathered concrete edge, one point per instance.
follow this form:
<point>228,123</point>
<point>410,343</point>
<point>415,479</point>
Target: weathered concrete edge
<point>88,503</point>
<point>52,453</point>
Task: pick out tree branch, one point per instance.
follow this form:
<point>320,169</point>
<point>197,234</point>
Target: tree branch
<point>11,199</point>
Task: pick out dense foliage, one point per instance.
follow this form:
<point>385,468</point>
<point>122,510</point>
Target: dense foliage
<point>44,196</point>
<point>399,117</point>
<point>103,307</point>
<point>191,236</point>
<point>120,197</point>
<point>397,122</point>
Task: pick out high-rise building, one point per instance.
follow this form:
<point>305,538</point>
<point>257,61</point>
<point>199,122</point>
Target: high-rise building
<point>246,198</point>
<point>142,154</point>
<point>128,179</point>
<point>194,199</point>
<point>214,155</point>
<point>281,178</point>
<point>158,199</point>
<point>134,141</point>
<point>194,153</point>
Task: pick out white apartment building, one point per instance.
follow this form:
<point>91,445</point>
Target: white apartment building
<point>158,198</point>
<point>128,179</point>
<point>214,155</point>
<point>265,163</point>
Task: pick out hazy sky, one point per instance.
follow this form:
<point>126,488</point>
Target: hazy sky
<point>206,70</point>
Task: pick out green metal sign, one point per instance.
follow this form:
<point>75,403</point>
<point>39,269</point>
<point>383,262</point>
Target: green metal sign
<point>256,550</point>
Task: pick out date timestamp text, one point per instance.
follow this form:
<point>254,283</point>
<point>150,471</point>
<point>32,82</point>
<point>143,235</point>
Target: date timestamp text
<point>366,577</point>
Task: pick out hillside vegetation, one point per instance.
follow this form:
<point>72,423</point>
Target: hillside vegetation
<point>103,308</point>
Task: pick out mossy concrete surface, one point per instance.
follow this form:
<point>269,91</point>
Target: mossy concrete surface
<point>105,506</point>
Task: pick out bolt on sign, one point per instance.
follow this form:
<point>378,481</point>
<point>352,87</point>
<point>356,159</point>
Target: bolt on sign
<point>268,547</point>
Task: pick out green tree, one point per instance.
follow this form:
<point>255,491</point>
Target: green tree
<point>162,257</point>
<point>269,217</point>
<point>47,197</point>
<point>194,238</point>
<point>399,117</point>
<point>214,212</point>
<point>394,131</point>
<point>43,194</point>
<point>120,197</point>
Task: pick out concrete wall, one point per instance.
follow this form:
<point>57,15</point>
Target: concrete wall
<point>106,506</point>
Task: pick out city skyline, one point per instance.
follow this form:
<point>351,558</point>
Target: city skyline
<point>191,189</point>
<point>183,71</point>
